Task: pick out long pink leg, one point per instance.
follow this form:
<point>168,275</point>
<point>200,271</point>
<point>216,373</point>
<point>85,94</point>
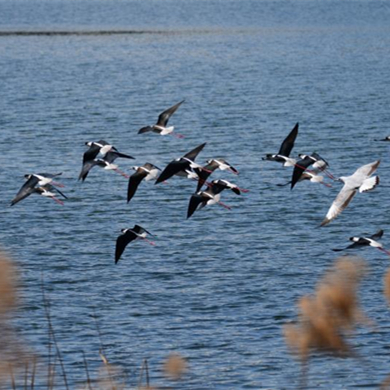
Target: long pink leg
<point>57,184</point>
<point>224,205</point>
<point>121,173</point>
<point>305,169</point>
<point>329,174</point>
<point>310,171</point>
<point>58,200</point>
<point>148,241</point>
<point>384,250</point>
<point>177,135</point>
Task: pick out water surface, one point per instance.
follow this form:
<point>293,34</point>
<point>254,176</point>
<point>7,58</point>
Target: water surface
<point>219,287</point>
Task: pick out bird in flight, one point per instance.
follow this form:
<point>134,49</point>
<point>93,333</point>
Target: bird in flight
<point>161,126</point>
<point>285,149</point>
<point>129,235</point>
<point>360,181</point>
<point>358,242</point>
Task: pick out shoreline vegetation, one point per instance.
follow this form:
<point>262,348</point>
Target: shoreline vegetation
<point>20,368</point>
<point>326,321</point>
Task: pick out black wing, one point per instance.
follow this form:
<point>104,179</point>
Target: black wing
<point>299,168</point>
<point>164,116</point>
<point>134,181</point>
<point>194,152</point>
<point>204,174</point>
<point>171,169</point>
<point>57,190</point>
<point>111,156</point>
<point>26,190</point>
<point>288,143</point>
<point>87,166</point>
<point>195,201</point>
<point>145,129</point>
<point>232,168</point>
<point>91,153</point>
<point>121,242</point>
<point>354,245</point>
<point>217,186</point>
<point>319,158</point>
<point>236,190</point>
<point>150,166</point>
<point>139,229</point>
<point>377,235</point>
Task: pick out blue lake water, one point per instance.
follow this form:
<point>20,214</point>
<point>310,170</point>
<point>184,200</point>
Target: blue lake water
<point>217,288</point>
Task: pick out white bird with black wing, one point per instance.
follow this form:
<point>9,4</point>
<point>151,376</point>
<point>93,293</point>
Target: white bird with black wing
<point>185,163</point>
<point>148,172</point>
<point>358,242</point>
<point>129,235</point>
<point>283,156</point>
<point>161,126</point>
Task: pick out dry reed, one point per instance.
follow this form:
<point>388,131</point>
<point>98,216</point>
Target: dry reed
<point>175,366</point>
<point>22,370</point>
<point>386,282</point>
<point>328,316</point>
<point>13,357</point>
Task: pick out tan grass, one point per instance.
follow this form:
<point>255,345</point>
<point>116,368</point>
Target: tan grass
<point>175,366</point>
<point>7,285</point>
<point>13,357</point>
<point>386,282</point>
<point>330,314</point>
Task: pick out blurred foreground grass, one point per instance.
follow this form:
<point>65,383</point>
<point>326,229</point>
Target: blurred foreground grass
<point>22,369</point>
<point>326,320</point>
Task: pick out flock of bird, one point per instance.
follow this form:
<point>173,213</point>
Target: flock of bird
<point>360,181</point>
<point>307,167</point>
<point>104,155</point>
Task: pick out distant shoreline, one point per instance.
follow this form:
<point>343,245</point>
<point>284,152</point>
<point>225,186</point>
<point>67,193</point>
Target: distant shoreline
<point>82,32</point>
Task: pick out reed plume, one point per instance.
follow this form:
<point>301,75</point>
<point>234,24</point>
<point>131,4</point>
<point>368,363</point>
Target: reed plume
<point>329,315</point>
<point>386,283</point>
<point>13,357</point>
<point>175,366</point>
